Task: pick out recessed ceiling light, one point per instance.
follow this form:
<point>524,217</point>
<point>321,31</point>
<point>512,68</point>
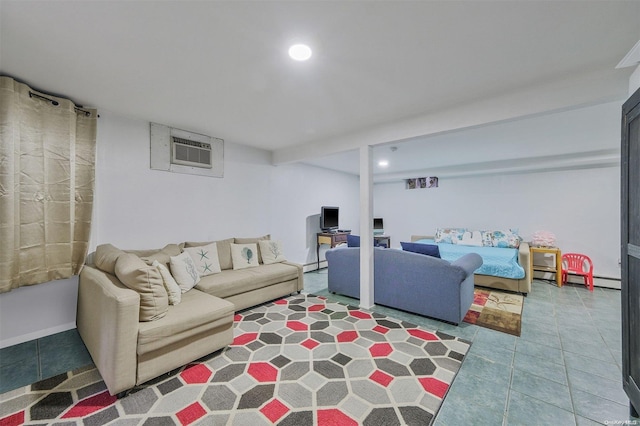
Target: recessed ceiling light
<point>383,163</point>
<point>300,52</point>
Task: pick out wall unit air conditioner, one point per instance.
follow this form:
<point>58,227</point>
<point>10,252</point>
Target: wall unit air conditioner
<point>181,151</point>
<point>190,153</point>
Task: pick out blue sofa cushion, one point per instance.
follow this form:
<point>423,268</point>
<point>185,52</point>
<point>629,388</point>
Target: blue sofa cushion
<point>428,249</point>
<point>353,241</point>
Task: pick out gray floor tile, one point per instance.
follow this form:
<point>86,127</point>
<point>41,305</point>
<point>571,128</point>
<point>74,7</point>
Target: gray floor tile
<point>599,409</point>
<point>598,351</point>
<point>553,355</point>
<point>458,412</point>
<point>18,353</point>
<point>541,338</point>
<point>18,374</point>
<point>526,410</point>
<point>492,353</point>
<point>540,367</point>
<point>596,385</point>
<point>608,370</point>
<point>542,389</point>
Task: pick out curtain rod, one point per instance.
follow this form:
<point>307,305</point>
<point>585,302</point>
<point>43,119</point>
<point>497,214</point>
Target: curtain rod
<point>56,103</point>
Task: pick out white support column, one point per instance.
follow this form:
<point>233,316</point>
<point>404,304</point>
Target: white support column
<point>366,227</point>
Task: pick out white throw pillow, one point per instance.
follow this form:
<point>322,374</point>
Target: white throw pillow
<point>205,258</point>
<point>184,270</point>
<point>170,284</point>
<point>244,255</point>
<point>271,251</point>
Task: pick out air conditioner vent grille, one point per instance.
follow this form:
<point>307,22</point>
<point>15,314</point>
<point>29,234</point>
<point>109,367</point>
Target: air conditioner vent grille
<point>191,153</point>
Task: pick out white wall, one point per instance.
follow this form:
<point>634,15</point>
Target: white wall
<point>581,207</point>
<point>136,207</point>
<point>298,191</point>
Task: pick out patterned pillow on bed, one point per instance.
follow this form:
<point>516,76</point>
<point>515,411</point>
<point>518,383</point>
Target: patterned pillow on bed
<point>503,238</point>
<point>449,235</point>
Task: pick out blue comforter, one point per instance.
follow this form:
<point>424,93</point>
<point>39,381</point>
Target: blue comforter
<point>496,261</point>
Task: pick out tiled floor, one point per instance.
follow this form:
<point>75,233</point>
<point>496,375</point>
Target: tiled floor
<point>39,359</point>
<point>565,369</point>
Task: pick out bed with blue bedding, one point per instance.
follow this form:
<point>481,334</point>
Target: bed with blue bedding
<point>496,261</point>
<point>502,268</point>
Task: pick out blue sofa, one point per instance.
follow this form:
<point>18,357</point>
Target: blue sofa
<point>408,281</point>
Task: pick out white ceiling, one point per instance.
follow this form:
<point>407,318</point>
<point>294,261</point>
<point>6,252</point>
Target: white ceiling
<point>221,67</point>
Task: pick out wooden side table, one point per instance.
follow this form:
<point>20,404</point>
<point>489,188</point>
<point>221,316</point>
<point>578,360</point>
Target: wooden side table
<point>330,238</point>
<point>557,269</point>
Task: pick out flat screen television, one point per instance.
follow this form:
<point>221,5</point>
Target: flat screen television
<point>329,218</point>
<point>378,226</point>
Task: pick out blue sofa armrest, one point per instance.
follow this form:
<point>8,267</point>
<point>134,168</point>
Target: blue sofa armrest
<point>470,262</point>
<point>344,271</point>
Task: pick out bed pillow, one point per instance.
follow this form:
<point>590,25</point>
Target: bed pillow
<point>428,249</point>
<point>501,238</point>
<point>205,258</point>
<point>449,235</point>
<point>244,256</point>
<point>271,251</point>
<point>184,270</point>
<point>147,281</point>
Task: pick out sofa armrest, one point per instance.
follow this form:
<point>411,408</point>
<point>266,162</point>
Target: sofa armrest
<point>300,286</point>
<point>107,320</point>
<point>523,260</point>
<point>469,262</point>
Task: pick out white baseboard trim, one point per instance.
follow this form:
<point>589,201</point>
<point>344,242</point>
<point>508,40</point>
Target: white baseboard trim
<point>604,282</point>
<point>36,335</point>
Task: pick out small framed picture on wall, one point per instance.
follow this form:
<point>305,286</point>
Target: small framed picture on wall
<point>432,182</point>
<point>422,182</point>
<point>411,184</point>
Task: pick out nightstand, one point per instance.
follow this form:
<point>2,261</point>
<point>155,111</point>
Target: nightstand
<point>556,269</point>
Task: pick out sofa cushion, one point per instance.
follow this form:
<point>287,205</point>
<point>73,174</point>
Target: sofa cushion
<point>244,256</point>
<point>173,289</point>
<point>163,256</point>
<point>184,270</point>
<point>205,258</point>
<point>229,283</point>
<point>428,249</point>
<point>353,241</point>
<point>198,313</point>
<point>224,251</point>
<point>271,251</point>
<point>253,241</point>
<point>147,281</point>
<point>106,257</point>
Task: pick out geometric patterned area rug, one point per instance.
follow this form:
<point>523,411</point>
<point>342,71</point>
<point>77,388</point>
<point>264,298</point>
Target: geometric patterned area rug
<point>496,310</point>
<point>301,360</point>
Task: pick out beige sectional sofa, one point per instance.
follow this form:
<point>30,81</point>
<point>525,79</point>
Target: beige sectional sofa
<point>131,332</point>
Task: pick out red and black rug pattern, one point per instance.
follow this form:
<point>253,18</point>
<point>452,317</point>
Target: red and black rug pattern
<point>301,360</point>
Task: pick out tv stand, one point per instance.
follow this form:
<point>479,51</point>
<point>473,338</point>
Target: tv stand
<point>332,238</point>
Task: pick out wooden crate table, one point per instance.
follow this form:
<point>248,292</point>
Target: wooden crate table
<point>557,269</point>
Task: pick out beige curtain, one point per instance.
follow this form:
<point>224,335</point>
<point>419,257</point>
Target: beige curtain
<point>47,161</point>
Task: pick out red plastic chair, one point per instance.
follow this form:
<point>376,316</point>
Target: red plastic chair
<point>577,264</point>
